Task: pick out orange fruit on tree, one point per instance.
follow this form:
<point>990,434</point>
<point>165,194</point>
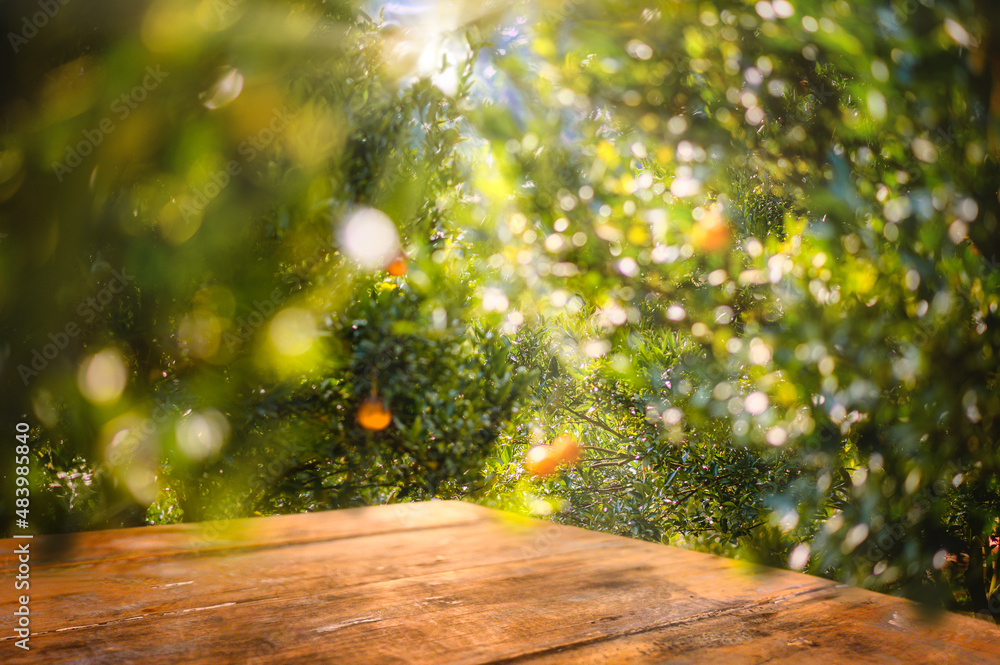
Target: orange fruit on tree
<point>710,233</point>
<point>539,460</point>
<point>566,448</point>
<point>543,460</point>
<point>373,414</point>
<point>397,268</point>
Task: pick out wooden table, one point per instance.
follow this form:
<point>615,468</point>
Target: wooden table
<point>444,582</point>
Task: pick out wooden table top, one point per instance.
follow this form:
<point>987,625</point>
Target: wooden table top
<point>446,583</point>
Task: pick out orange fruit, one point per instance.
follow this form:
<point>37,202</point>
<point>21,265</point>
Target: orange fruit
<point>539,460</point>
<point>373,414</point>
<point>398,267</point>
<point>566,448</point>
<point>710,233</point>
<point>543,460</point>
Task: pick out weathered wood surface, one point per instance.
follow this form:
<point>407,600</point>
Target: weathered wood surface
<point>445,583</point>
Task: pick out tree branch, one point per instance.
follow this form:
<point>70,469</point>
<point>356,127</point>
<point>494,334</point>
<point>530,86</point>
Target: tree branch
<point>592,421</point>
<point>606,450</point>
<point>608,463</point>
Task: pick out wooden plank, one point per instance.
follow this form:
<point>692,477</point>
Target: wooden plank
<point>830,625</point>
<point>168,540</point>
<point>217,574</point>
<point>475,606</point>
<point>454,583</point>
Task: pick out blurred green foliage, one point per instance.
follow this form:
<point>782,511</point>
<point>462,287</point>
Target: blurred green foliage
<point>743,252</point>
<point>822,392</point>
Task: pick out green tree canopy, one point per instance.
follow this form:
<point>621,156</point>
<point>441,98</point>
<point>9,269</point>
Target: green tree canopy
<point>743,252</point>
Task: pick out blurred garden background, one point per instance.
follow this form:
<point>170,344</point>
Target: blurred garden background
<point>733,262</point>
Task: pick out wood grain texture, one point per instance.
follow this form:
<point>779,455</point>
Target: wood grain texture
<point>450,583</point>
